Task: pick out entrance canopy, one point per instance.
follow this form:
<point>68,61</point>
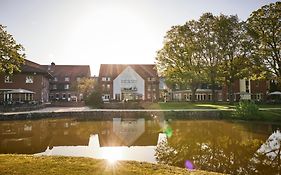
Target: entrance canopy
<point>275,93</point>
<point>20,91</point>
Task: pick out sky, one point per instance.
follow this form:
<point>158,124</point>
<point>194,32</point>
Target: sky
<point>94,32</point>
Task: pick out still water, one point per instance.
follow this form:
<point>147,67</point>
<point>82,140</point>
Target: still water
<point>233,147</point>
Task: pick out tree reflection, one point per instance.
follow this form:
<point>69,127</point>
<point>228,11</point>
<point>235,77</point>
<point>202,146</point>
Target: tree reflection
<point>221,148</point>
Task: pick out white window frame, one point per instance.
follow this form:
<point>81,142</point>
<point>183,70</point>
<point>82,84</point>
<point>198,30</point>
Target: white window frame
<point>66,78</point>
<point>29,79</point>
<point>66,86</point>
<point>8,79</point>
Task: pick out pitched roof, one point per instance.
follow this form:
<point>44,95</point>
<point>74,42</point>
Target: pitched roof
<point>113,70</point>
<point>60,71</point>
<point>31,67</point>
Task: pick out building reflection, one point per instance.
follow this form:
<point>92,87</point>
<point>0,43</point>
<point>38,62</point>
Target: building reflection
<point>95,150</point>
<point>29,137</point>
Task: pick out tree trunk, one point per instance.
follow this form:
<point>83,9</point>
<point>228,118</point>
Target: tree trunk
<point>230,92</point>
<point>193,91</point>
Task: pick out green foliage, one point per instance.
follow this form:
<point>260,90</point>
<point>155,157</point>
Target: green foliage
<point>247,109</point>
<point>94,100</point>
<point>85,86</point>
<point>11,53</point>
<point>264,29</point>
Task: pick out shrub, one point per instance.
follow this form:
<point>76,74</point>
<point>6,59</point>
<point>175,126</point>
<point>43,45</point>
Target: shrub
<point>246,109</point>
<point>94,100</point>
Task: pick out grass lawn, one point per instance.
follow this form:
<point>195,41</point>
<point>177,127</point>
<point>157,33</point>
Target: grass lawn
<point>198,105</point>
<point>43,165</point>
<point>187,105</point>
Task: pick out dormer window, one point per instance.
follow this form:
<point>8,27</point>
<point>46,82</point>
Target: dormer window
<point>66,78</point>
<point>29,79</point>
<point>8,79</point>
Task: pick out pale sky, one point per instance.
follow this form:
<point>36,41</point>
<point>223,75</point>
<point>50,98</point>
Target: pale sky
<point>93,32</point>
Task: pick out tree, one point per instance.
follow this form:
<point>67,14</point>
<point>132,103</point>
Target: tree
<point>85,86</point>
<point>178,60</point>
<point>11,53</point>
<point>264,27</point>
<point>233,50</point>
<point>208,49</point>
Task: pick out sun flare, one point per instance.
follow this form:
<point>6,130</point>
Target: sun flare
<point>112,155</point>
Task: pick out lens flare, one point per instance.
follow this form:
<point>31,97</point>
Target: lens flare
<point>169,131</point>
<point>189,165</point>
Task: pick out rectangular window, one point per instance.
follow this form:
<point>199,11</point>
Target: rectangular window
<point>55,79</point>
<point>66,86</point>
<point>153,87</point>
<point>105,79</point>
<point>149,87</point>
<point>54,86</point>
<point>247,83</point>
<point>29,79</point>
<point>108,86</point>
<point>66,78</point>
<point>8,79</point>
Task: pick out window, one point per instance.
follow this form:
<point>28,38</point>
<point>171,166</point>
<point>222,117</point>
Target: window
<point>154,87</point>
<point>108,86</point>
<point>55,79</point>
<point>66,78</point>
<point>149,87</point>
<point>151,79</point>
<point>78,79</point>
<point>29,79</point>
<point>105,79</point>
<point>247,83</point>
<point>54,86</point>
<point>8,79</point>
<point>66,86</point>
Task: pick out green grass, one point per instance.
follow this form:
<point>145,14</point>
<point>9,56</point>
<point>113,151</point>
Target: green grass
<point>42,165</point>
<point>187,105</point>
<point>198,105</point>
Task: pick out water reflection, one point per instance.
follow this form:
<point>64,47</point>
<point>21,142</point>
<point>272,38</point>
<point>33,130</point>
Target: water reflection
<point>94,150</point>
<point>221,146</point>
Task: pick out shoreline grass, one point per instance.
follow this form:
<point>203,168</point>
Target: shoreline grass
<point>14,164</point>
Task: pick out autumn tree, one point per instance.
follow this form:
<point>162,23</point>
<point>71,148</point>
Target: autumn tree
<point>264,28</point>
<point>178,60</point>
<point>11,53</point>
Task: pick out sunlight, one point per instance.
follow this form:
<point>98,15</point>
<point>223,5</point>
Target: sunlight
<point>112,35</point>
<point>111,154</point>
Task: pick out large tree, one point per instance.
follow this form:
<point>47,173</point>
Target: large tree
<point>233,49</point>
<point>264,27</point>
<point>178,60</point>
<point>11,53</point>
<point>208,49</point>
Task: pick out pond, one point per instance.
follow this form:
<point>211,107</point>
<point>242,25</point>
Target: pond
<point>234,147</point>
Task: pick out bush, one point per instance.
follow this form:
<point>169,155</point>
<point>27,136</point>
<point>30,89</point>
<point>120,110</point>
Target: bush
<point>94,100</point>
<point>246,109</point>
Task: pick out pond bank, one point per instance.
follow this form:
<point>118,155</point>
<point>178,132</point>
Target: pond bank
<point>108,114</point>
<point>265,114</point>
<point>33,165</point>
